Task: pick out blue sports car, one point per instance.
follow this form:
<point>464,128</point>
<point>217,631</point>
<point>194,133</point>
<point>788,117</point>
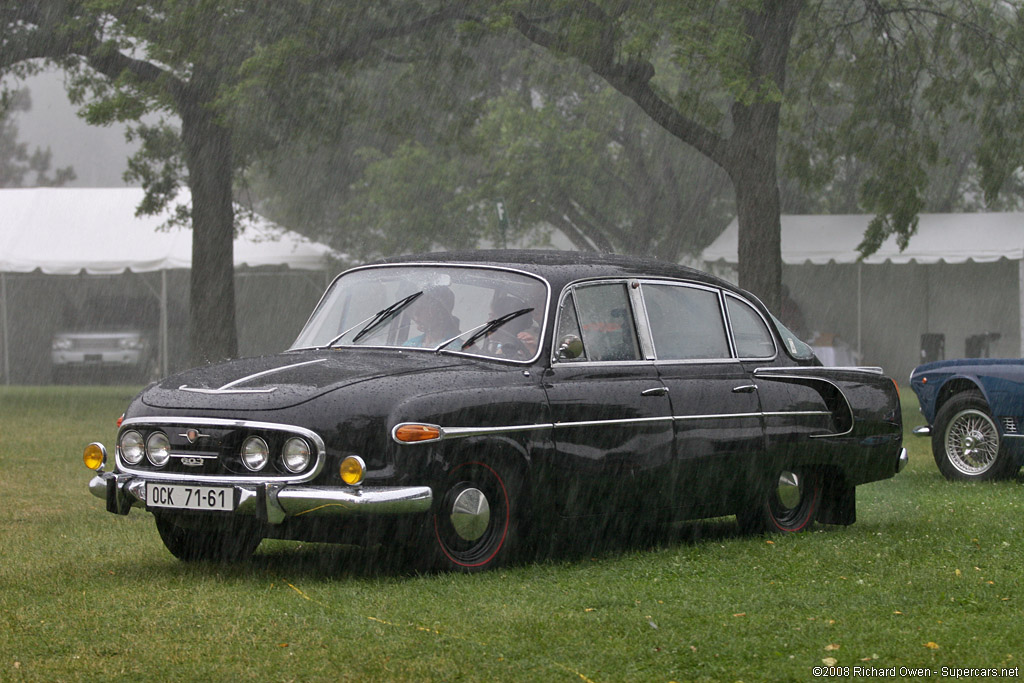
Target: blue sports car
<point>975,409</point>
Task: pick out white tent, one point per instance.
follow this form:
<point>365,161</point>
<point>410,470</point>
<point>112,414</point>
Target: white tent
<point>96,231</point>
<point>935,284</point>
<point>940,237</point>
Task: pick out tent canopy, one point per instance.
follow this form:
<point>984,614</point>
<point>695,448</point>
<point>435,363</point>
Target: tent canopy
<point>95,230</point>
<point>940,237</point>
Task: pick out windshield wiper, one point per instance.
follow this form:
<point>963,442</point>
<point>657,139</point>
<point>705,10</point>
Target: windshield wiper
<point>485,329</point>
<point>377,319</point>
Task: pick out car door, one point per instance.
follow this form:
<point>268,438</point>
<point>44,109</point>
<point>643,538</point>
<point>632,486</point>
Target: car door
<point>715,405</point>
<point>612,420</point>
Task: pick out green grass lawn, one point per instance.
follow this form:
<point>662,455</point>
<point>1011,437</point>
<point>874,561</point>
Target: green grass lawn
<point>929,576</point>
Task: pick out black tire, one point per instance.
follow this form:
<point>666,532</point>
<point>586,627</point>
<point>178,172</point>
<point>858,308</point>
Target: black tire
<point>474,526</point>
<point>966,442</point>
<point>787,503</point>
<point>228,542</point>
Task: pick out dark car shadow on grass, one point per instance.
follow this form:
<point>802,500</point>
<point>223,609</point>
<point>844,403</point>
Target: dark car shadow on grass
<point>299,560</point>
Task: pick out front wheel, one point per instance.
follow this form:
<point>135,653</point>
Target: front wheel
<point>474,527</point>
<point>966,443</point>
<point>189,541</point>
<point>787,503</point>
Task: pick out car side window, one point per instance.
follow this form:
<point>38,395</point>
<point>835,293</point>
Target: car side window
<point>753,340</point>
<point>686,322</point>
<point>604,320</point>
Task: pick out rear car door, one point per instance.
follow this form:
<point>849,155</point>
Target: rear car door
<point>715,405</point>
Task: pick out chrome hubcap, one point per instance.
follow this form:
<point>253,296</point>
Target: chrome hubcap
<point>470,515</point>
<point>788,489</point>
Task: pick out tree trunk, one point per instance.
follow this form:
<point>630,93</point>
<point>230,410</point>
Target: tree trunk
<point>760,232</point>
<point>753,151</point>
<point>208,155</point>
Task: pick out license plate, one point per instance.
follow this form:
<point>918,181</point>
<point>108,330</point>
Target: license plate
<point>183,497</point>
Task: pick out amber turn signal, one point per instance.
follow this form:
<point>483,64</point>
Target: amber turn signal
<point>411,433</point>
<point>352,470</point>
<point>95,456</point>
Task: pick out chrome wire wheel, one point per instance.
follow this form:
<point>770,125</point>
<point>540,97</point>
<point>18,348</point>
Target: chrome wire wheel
<point>971,442</point>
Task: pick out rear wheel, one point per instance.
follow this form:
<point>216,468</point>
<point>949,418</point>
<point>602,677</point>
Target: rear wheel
<point>787,503</point>
<point>188,541</point>
<point>474,527</point>
<point>966,443</point>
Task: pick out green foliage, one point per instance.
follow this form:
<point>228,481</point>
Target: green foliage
<point>910,105</point>
<point>425,149</point>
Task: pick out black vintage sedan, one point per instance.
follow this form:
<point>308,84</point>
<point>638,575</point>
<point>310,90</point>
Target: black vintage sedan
<point>464,404</point>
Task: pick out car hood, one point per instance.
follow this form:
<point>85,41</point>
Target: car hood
<point>287,379</point>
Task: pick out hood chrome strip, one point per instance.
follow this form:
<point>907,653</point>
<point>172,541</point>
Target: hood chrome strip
<point>229,387</point>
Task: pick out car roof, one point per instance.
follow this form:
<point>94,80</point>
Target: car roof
<point>560,267</point>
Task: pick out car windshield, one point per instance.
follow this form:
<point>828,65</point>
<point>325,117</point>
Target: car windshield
<point>461,309</point>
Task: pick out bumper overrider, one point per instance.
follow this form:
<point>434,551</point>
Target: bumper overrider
<point>269,502</point>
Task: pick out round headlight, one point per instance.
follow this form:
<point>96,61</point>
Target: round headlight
<point>158,449</point>
<point>255,453</point>
<point>132,448</point>
<point>295,455</point>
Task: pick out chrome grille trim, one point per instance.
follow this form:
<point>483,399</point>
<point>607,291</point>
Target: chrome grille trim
<point>229,425</point>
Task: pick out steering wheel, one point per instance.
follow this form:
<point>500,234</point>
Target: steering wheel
<point>504,344</point>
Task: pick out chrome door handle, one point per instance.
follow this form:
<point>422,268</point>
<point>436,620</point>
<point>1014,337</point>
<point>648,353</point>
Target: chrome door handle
<point>656,391</point>
<point>744,389</point>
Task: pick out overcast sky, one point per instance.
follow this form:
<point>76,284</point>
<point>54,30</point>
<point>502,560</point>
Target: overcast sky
<point>98,154</point>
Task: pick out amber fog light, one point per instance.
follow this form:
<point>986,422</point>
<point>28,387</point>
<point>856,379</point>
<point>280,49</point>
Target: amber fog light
<point>352,470</point>
<point>95,456</point>
<point>132,447</point>
<point>255,453</point>
<point>295,455</point>
<point>158,449</point>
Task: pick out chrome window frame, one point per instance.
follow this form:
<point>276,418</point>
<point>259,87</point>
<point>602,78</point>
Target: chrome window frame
<point>440,265</point>
<point>732,338</point>
<point>643,337</point>
<point>723,318</point>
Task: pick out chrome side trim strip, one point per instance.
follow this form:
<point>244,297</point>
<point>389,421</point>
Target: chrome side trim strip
<point>463,432</point>
<point>718,416</point>
<point>802,370</point>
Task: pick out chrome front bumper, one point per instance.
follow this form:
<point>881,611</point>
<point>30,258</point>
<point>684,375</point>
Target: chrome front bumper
<point>273,503</point>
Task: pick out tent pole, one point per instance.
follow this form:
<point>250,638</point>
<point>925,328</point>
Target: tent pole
<point>3,318</point>
<point>860,267</point>
<point>163,323</point>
